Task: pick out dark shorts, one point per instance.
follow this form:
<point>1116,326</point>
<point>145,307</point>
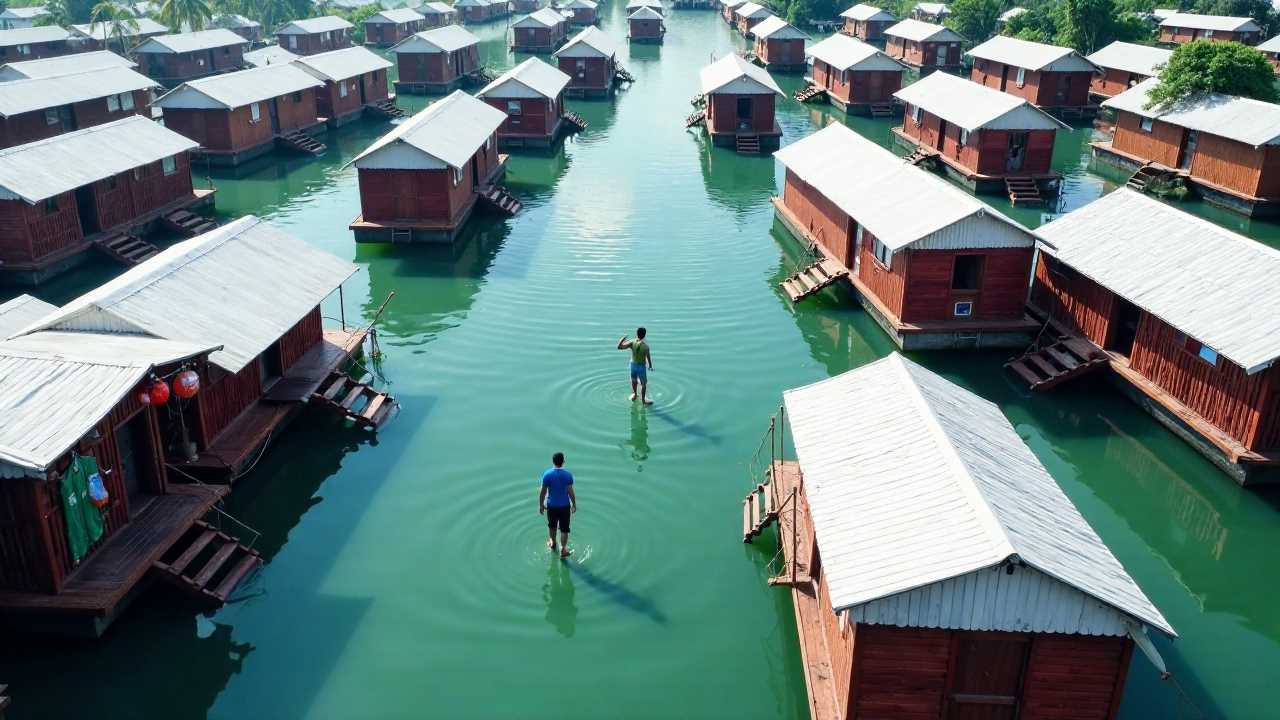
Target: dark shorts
<point>558,517</point>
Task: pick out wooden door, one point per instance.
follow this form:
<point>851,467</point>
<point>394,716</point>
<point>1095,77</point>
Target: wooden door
<point>875,85</point>
<point>1188,150</point>
<point>1017,150</point>
<point>986,683</point>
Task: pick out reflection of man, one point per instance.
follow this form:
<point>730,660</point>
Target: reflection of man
<point>557,501</point>
<point>639,442</point>
<point>557,593</point>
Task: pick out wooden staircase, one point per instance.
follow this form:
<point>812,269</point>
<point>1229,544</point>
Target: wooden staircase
<point>919,155</point>
<point>622,75</point>
<point>479,76</point>
<point>883,110</point>
<point>748,144</point>
<point>577,121</point>
<point>1050,366</point>
<point>358,402</point>
<point>500,199</point>
<point>810,92</point>
<point>300,142</point>
<point>758,512</point>
<point>1023,191</point>
<point>386,108</point>
<point>696,118</point>
<point>207,564</point>
<point>187,223</point>
<point>1148,174</point>
<point>126,249</point>
<point>811,280</point>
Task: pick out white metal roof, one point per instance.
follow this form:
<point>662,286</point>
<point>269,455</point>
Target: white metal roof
<point>190,42</point>
<point>1012,13</point>
<point>62,64</point>
<point>582,4</point>
<point>532,77</point>
<point>843,52</point>
<point>867,12</point>
<point>309,26</point>
<point>912,481</point>
<point>972,106</point>
<point>336,65</point>
<point>29,35</point>
<point>1271,46</point>
<point>645,13</point>
<point>1129,57</point>
<point>238,89</point>
<point>732,3</point>
<point>919,31</point>
<point>436,8</point>
<point>232,21</point>
<point>1031,55</point>
<point>45,168</point>
<point>1210,22</point>
<point>21,312</point>
<point>899,203</point>
<point>752,10</point>
<point>396,16</point>
<point>546,17</point>
<point>449,38</point>
<point>447,132</point>
<point>241,286</point>
<point>146,26</point>
<point>591,42</point>
<point>732,74</point>
<point>269,55</point>
<point>1246,120</point>
<point>30,95</point>
<point>932,8</point>
<point>24,13</point>
<point>776,28</point>
<point>1215,285</point>
<point>651,4</point>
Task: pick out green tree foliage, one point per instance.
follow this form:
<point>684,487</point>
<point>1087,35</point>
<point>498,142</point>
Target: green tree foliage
<point>798,12</point>
<point>194,14</point>
<point>357,17</point>
<point>974,20</point>
<point>1083,25</point>
<point>119,22</point>
<point>1219,67</point>
<point>1034,25</point>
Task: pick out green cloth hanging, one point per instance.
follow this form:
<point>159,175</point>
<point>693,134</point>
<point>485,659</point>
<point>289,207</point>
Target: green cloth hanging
<point>84,520</point>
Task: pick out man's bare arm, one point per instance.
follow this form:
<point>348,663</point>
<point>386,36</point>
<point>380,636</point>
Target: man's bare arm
<point>542,500</point>
<point>573,499</point>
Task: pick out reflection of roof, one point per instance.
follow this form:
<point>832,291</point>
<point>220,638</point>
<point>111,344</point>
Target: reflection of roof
<point>190,42</point>
<point>843,52</point>
<point>732,74</point>
<point>930,511</point>
<point>971,106</point>
<point>778,29</point>
<point>63,64</point>
<point>30,35</point>
<point>1210,22</point>
<point>918,31</point>
<point>310,26</point>
<point>866,13</point>
<point>442,39</point>
<point>269,55</point>
<point>1246,120</point>
<point>591,42</point>
<point>531,77</point>
<point>238,89</point>
<point>29,95</point>
<point>1031,55</point>
<point>1215,285</point>
<point>447,133</point>
<point>341,64</point>
<point>1140,59</point>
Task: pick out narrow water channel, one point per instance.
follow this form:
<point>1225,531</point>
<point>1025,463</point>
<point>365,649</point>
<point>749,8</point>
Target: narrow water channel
<point>406,574</point>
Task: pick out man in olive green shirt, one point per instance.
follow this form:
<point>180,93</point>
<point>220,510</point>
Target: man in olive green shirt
<point>640,358</point>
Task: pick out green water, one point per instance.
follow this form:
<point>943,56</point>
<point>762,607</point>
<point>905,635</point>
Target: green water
<point>406,575</point>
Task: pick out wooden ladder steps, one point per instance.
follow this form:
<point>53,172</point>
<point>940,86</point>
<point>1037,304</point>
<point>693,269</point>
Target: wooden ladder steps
<point>758,512</point>
<point>500,199</point>
<point>882,110</point>
<point>813,279</point>
<point>188,223</point>
<point>695,118</point>
<point>302,142</point>
<point>1023,191</point>
<point>810,92</point>
<point>1050,366</point>
<point>207,564</point>
<point>919,155</point>
<point>126,249</point>
<point>576,120</point>
<point>622,75</point>
<point>386,108</point>
<point>748,144</point>
<point>362,404</point>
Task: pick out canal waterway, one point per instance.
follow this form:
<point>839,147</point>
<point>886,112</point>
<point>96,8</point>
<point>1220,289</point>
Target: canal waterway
<point>406,574</point>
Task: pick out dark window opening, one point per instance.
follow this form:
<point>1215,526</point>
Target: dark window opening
<point>966,274</point>
<point>297,97</point>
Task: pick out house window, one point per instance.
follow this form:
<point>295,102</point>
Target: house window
<point>964,137</point>
<point>51,116</point>
<point>200,62</point>
<point>293,42</point>
<point>169,165</point>
<point>255,113</point>
<point>915,114</point>
<point>1146,124</point>
<point>966,274</point>
<point>342,89</point>
<point>513,107</point>
<point>113,103</point>
<point>883,254</point>
<point>51,205</point>
<point>1208,34</point>
<point>457,176</point>
<point>1208,354</point>
<point>126,101</point>
<point>964,308</point>
<point>1022,77</point>
<point>24,49</point>
<point>297,97</point>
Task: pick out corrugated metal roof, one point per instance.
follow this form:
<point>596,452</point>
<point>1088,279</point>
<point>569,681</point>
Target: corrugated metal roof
<point>651,4</point>
<point>436,8</point>
<point>843,52</point>
<point>62,65</point>
<point>27,36</point>
<point>209,290</point>
<point>918,31</point>
<point>395,16</point>
<point>867,12</point>
<point>645,13</point>
<point>238,89</point>
<point>342,64</point>
<point>732,3</point>
<point>1130,57</point>
<point>190,42</point>
<point>232,21</point>
<point>1271,46</point>
<point>1215,285</point>
<point>308,26</point>
<point>30,95</point>
<point>21,312</point>
<point>269,55</point>
<point>752,10</point>
<point>1031,55</point>
<point>534,74</point>
<point>971,106</point>
<point>546,17</point>
<point>913,481</point>
<point>1210,22</point>
<point>591,42</point>
<point>1246,120</point>
<point>45,168</point>
<point>932,8</point>
<point>775,27</point>
<point>448,131</point>
<point>443,39</point>
<point>24,13</point>
<point>146,26</point>
<point>733,74</point>
<point>899,203</point>
<point>581,4</point>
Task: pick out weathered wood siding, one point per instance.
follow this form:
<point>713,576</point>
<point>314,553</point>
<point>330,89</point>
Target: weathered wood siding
<point>538,117</point>
<point>37,51</point>
<point>429,196</point>
<point>865,30</point>
<point>1047,89</point>
<point>1162,145</point>
<point>1228,164</point>
<point>1072,299</point>
<point>32,126</point>
<point>780,52</point>
<point>923,54</point>
<point>722,117</point>
<point>857,86</point>
<point>313,43</point>
<point>887,284</point>
<point>826,222</point>
<point>226,396</point>
<point>31,232</point>
<point>1070,677</point>
<point>387,34</point>
<point>645,28</point>
<point>177,67</point>
<point>1113,82</point>
<point>1186,35</point>
<point>898,673</point>
<point>588,73</point>
<point>1001,294</point>
<point>301,338</point>
<point>331,103</point>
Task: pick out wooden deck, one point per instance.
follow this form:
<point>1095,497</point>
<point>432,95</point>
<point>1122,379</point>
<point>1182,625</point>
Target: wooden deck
<point>969,173</point>
<point>103,580</point>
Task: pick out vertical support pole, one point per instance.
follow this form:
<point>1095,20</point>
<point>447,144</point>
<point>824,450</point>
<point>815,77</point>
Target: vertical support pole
<point>342,308</point>
<point>795,535</point>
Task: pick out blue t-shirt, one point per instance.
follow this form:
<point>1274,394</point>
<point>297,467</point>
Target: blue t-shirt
<point>557,482</point>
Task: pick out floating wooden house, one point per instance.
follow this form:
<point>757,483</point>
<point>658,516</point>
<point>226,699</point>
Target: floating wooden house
<point>22,17</point>
<point>866,22</point>
<point>738,101</point>
<point>481,11</point>
<point>542,31</point>
<point>62,195</point>
<point>923,46</point>
<point>590,59</point>
<point>935,267</point>
<point>532,96</point>
<point>582,13</point>
<point>748,15</point>
<point>1227,147</point>
<point>102,36</point>
<point>48,104</point>
<point>1052,78</point>
<point>727,9</point>
<point>987,140</point>
<point>269,55</point>
<point>1124,65</point>
<point>1188,314</point>
<point>1271,48</point>
<point>421,181</point>
<point>239,116</point>
<point>654,5</point>
<point>354,78</point>
<point>250,30</point>
<point>779,45</point>
<point>525,6</point>
<point>437,61</point>
<point>437,14</point>
<point>856,76</point>
<point>646,25</point>
<point>1184,27</point>
<point>388,27</point>
<point>174,59</point>
<point>34,43</point>
<point>315,35</point>
<point>930,12</point>
<point>63,65</point>
<point>936,568</point>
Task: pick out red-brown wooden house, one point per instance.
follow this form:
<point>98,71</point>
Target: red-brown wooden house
<point>646,25</point>
<point>388,27</point>
<point>1271,48</point>
<point>1053,78</point>
<point>437,61</point>
<point>1188,314</point>
<point>930,12</point>
<point>582,12</point>
<point>935,567</point>
<point>437,14</point>
<point>532,96</point>
<point>421,181</point>
<point>1227,147</point>
<point>934,266</point>
<point>866,22</point>
<point>239,116</point>
<point>59,195</point>
<point>174,59</point>
<point>38,42</point>
<point>983,137</point>
<point>1124,65</point>
<point>354,78</point>
<point>739,103</point>
<point>315,35</point>
<point>481,11</point>
<point>590,59</point>
<point>923,46</point>
<point>728,7</point>
<point>540,32</point>
<point>1184,27</point>
<point>102,36</point>
<point>749,14</point>
<point>855,74</point>
<point>779,45</point>
<point>525,6</point>
<point>43,104</point>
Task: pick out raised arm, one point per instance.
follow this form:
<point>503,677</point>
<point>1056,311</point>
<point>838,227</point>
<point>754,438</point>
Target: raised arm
<point>622,344</point>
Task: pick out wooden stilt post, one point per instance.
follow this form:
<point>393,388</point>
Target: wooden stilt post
<point>795,536</point>
<point>342,309</point>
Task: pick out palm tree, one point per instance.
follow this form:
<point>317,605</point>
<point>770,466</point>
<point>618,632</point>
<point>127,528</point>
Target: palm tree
<point>192,13</point>
<point>118,21</point>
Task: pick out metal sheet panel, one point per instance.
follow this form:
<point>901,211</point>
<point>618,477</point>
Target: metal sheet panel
<point>190,42</point>
<point>843,52</point>
<point>27,36</point>
<point>342,64</point>
<point>396,16</point>
<point>1031,55</point>
<point>1210,22</point>
<point>22,312</point>
<point>63,64</point>
<point>591,42</point>
<point>449,131</point>
<point>865,13</point>
<point>733,74</point>
<point>238,89</point>
<point>146,26</point>
<point>546,17</point>
<point>1246,120</point>
<point>309,26</point>
<point>269,55</point>
<point>971,106</point>
<point>32,94</point>
<point>449,38</point>
<point>918,31</point>
<point>778,29</point>
<point>533,74</point>
<point>1131,57</point>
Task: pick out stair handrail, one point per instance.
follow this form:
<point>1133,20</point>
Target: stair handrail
<point>216,507</point>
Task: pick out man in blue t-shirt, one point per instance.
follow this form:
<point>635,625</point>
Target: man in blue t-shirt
<point>557,501</point>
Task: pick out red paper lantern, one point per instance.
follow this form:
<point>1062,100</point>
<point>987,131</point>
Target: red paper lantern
<point>186,384</point>
<point>158,392</point>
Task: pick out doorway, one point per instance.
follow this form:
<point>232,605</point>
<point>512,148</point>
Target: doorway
<point>941,144</point>
<point>274,112</point>
<point>987,681</point>
<point>87,207</point>
<point>1188,150</point>
<point>1017,151</point>
<point>1124,326</point>
<point>1004,77</point>
<point>1064,89</point>
<point>137,453</point>
<point>475,170</point>
<point>458,70</point>
<point>744,113</point>
<point>67,117</point>
<point>270,367</point>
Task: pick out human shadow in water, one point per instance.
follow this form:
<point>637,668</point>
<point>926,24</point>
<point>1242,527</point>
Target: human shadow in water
<point>562,612</point>
<point>617,593</point>
<point>695,429</point>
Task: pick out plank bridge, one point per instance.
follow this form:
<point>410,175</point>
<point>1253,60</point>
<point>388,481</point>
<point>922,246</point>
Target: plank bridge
<point>576,121</point>
<point>1064,359</point>
<point>813,279</point>
<point>359,402</point>
<point>499,199</point>
<point>810,92</point>
<point>299,141</point>
<point>206,564</point>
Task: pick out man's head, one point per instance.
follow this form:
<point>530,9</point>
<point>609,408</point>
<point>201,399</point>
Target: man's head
<point>558,459</point>
<point>640,333</point>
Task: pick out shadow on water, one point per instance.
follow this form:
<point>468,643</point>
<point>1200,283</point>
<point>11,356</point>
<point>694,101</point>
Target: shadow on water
<point>693,429</point>
<point>616,593</point>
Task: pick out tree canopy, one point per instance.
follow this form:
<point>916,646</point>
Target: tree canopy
<point>1214,67</point>
<point>974,20</point>
<point>1082,25</point>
